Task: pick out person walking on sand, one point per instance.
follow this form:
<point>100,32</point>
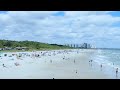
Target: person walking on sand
<point>3,65</point>
<point>91,62</point>
<point>101,67</point>
<point>74,60</point>
<point>51,61</point>
<point>116,72</point>
<point>76,71</point>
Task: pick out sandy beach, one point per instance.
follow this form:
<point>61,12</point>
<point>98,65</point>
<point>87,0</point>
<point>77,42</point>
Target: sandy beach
<point>57,64</point>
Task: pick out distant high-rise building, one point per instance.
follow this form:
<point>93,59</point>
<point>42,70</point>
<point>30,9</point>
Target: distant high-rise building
<point>80,45</point>
<point>68,45</point>
<point>88,46</point>
<point>93,46</point>
<point>84,45</point>
<point>74,45</point>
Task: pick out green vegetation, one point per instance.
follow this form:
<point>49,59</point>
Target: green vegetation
<point>32,45</point>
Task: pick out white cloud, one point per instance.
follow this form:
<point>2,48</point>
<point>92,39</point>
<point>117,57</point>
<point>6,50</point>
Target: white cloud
<point>74,27</point>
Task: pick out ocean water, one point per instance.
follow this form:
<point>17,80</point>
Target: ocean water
<point>110,60</point>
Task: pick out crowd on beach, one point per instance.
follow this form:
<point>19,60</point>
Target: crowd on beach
<point>33,54</point>
<point>38,54</point>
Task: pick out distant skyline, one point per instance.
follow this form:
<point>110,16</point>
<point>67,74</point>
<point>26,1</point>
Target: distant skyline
<point>100,28</point>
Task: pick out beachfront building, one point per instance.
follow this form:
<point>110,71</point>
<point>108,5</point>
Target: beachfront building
<point>68,45</point>
<point>84,45</point>
<point>6,48</point>
<point>92,46</point>
<point>1,49</point>
<point>88,46</point>
<point>74,45</point>
<point>22,48</point>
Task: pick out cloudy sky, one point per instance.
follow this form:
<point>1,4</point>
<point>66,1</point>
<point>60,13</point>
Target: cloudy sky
<point>100,28</point>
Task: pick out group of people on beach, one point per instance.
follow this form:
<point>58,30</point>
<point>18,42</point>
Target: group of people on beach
<point>21,55</point>
<point>116,71</point>
<point>90,62</point>
<point>33,54</point>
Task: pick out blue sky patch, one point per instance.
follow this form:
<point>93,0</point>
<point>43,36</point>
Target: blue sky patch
<point>59,14</point>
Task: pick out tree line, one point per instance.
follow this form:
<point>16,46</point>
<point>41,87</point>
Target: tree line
<point>30,45</point>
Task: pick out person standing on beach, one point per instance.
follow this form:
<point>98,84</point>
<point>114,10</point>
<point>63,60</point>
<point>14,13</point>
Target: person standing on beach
<point>4,65</point>
<point>74,60</point>
<point>91,62</point>
<point>76,71</point>
<point>101,67</point>
<point>51,61</point>
<point>116,72</point>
